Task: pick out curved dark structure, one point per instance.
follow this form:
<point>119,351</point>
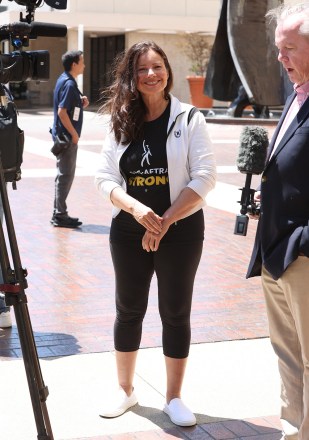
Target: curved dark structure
<point>244,56</point>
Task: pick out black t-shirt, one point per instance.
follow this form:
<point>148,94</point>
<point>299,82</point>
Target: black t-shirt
<point>144,165</point>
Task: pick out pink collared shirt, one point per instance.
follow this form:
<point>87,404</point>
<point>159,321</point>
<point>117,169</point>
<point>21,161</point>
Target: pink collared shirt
<point>302,93</point>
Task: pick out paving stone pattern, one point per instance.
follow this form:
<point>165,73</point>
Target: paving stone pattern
<point>71,282</point>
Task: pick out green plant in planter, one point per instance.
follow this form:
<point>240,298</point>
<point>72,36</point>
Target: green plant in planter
<point>197,47</point>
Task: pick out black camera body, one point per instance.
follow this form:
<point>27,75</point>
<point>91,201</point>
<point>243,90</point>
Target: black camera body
<point>24,66</point>
<point>19,65</point>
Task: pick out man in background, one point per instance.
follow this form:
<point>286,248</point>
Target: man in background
<point>68,120</point>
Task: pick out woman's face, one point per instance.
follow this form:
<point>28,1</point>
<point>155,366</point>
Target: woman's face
<point>152,74</point>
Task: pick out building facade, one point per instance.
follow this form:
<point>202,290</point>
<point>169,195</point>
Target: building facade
<point>103,28</point>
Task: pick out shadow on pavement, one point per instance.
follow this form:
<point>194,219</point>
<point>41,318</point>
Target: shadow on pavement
<point>229,428</point>
<point>93,229</point>
<point>49,345</point>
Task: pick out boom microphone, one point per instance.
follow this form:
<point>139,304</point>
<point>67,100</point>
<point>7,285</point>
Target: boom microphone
<point>33,30</point>
<point>251,160</point>
<point>39,29</point>
<point>19,28</point>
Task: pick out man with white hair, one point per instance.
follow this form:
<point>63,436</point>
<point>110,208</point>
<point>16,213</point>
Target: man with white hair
<point>281,250</point>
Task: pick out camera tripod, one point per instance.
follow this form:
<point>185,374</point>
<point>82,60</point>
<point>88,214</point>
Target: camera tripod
<point>14,285</point>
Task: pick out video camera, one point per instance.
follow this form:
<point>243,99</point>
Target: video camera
<point>21,65</point>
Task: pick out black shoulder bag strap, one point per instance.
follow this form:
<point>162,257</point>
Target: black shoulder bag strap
<point>11,137</point>
<point>192,113</point>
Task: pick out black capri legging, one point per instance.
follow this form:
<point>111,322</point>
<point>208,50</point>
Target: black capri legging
<point>174,263</point>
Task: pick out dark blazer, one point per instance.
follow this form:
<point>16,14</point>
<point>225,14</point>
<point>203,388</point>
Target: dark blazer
<point>283,228</point>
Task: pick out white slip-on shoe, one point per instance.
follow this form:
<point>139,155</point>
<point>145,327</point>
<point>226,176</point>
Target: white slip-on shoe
<point>179,413</point>
<point>118,404</point>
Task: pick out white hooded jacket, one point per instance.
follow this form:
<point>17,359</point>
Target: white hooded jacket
<point>190,157</point>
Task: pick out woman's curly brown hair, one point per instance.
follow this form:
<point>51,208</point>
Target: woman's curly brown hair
<point>122,100</point>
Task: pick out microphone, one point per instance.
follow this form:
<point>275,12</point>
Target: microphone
<point>18,28</point>
<point>34,30</point>
<point>39,29</point>
<point>251,160</point>
<point>252,150</point>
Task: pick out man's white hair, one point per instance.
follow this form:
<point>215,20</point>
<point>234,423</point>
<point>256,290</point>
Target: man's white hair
<point>291,8</point>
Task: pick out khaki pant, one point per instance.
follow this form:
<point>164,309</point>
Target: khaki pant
<point>287,301</point>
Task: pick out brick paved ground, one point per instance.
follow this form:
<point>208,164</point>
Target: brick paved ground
<point>71,281</point>
<point>254,429</point>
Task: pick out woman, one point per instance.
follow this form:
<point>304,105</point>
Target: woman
<point>156,168</point>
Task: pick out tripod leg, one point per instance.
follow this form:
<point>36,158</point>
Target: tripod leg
<point>37,388</point>
<point>14,283</point>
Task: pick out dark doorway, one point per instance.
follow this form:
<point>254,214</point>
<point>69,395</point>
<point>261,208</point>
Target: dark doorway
<point>103,52</point>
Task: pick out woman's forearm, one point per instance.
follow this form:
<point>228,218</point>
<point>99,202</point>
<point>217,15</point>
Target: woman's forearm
<point>142,213</point>
<point>182,206</point>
